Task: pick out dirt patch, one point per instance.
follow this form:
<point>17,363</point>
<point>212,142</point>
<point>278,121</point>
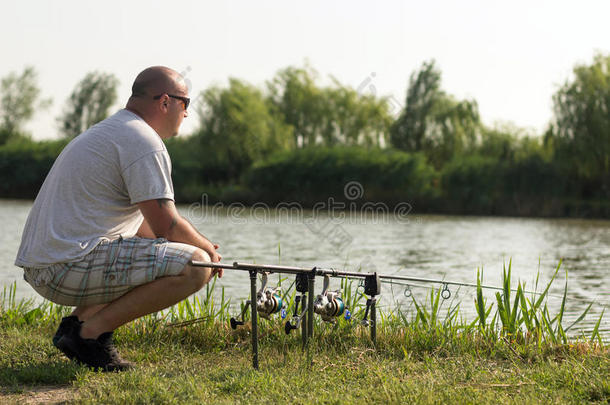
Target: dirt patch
<point>42,394</point>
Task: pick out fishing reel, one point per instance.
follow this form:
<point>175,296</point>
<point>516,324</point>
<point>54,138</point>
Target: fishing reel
<point>329,304</point>
<point>268,302</point>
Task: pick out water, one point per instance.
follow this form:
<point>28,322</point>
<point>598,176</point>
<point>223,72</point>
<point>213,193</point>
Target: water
<point>450,248</point>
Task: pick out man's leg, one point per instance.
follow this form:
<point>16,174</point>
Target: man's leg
<point>84,313</point>
<point>148,298</point>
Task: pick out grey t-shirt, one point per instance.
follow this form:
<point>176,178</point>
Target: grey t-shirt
<point>92,191</point>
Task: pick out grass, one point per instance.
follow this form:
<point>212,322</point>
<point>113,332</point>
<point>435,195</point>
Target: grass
<point>515,351</point>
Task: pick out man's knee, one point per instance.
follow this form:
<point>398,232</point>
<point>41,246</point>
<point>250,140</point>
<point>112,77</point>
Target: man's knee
<point>199,276</point>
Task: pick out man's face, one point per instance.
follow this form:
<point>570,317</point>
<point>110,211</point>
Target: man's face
<point>177,110</point>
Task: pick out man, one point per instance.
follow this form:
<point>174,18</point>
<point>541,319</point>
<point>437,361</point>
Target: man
<point>104,234</point>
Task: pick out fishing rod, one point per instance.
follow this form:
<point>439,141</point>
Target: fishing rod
<point>445,283</point>
<point>268,301</point>
<point>335,273</point>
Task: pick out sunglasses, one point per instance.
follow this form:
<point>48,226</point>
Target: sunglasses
<point>185,100</point>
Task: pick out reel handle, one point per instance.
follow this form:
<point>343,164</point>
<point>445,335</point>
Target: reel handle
<point>235,323</point>
<point>288,327</point>
<point>297,317</point>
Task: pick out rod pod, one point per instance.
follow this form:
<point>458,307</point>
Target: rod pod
<point>372,287</point>
<point>302,286</point>
<point>254,320</point>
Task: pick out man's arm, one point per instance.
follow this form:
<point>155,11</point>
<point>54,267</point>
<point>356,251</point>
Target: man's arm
<point>145,231</point>
<point>164,221</point>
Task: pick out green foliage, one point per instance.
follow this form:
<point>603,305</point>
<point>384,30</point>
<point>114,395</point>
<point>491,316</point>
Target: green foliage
<point>433,122</point>
<point>525,185</point>
<point>24,165</point>
<point>508,315</point>
<point>334,115</point>
<point>453,130</point>
<point>528,321</point>
<point>189,169</point>
<point>353,119</point>
<point>89,103</point>
<point>316,174</point>
<point>19,100</point>
<point>245,148</point>
<point>409,131</point>
<point>7,136</point>
<point>507,142</point>
<point>238,129</point>
<point>294,94</point>
<point>581,131</point>
<point>483,310</point>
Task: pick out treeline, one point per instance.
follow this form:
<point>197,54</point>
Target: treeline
<point>296,140</point>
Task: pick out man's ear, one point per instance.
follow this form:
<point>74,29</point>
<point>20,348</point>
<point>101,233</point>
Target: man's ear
<point>164,105</point>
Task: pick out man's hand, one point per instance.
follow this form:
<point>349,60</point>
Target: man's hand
<point>216,257</point>
<point>220,272</point>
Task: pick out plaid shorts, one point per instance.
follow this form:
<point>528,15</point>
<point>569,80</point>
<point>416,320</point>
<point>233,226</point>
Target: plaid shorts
<point>109,271</point>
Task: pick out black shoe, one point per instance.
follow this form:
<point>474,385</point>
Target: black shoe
<point>66,326</point>
<point>117,362</point>
<point>99,354</point>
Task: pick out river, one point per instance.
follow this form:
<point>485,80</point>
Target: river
<point>444,247</point>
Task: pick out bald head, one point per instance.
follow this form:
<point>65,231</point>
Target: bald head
<point>160,97</point>
<point>155,80</point>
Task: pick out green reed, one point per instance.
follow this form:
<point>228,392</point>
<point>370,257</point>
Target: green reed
<point>514,317</point>
<point>25,311</point>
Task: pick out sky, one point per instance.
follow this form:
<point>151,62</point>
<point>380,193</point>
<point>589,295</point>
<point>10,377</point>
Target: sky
<point>510,57</point>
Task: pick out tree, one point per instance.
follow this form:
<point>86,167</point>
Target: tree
<point>352,118</point>
<point>238,129</point>
<point>580,132</point>
<point>294,94</point>
<point>453,129</point>
<point>409,130</point>
<point>434,122</point>
<point>327,115</point>
<point>509,143</point>
<point>89,103</point>
<point>19,100</point>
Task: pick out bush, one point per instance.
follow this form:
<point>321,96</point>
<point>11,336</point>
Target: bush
<point>528,186</point>
<point>24,165</point>
<point>188,163</point>
<point>316,174</point>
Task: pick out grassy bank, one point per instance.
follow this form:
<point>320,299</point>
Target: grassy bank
<point>515,355</point>
<point>211,364</point>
